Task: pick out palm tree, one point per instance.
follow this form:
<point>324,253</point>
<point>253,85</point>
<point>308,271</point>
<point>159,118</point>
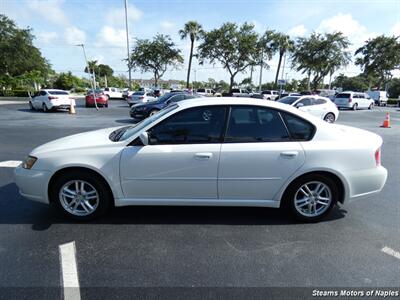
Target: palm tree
<point>283,44</point>
<point>194,31</point>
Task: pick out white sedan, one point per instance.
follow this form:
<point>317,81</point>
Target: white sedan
<point>320,107</point>
<point>47,100</point>
<point>221,152</point>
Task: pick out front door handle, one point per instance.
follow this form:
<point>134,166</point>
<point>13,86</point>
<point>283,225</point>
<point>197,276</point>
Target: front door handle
<point>204,155</point>
<point>289,154</point>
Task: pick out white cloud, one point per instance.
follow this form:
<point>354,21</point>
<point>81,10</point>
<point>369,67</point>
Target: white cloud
<point>47,37</point>
<point>116,16</point>
<point>111,37</point>
<point>297,31</point>
<point>343,23</point>
<point>167,25</point>
<point>74,35</point>
<point>49,10</point>
<point>396,29</point>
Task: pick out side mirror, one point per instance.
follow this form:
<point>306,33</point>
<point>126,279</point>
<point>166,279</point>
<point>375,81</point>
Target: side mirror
<point>144,138</point>
<point>298,105</point>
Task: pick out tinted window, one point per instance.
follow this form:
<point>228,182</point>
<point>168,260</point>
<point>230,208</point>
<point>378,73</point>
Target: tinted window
<point>58,93</point>
<point>191,126</point>
<point>255,124</point>
<point>343,96</point>
<point>299,128</point>
<point>138,93</point>
<point>306,102</point>
<point>177,98</point>
<point>201,90</point>
<point>319,101</point>
<point>235,91</point>
<point>288,100</point>
<point>43,93</point>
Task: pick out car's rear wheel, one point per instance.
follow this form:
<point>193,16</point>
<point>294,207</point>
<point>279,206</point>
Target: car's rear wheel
<point>80,195</point>
<point>311,197</point>
<point>106,105</point>
<point>371,106</point>
<point>44,107</point>
<point>153,112</point>
<point>330,118</point>
<point>355,106</point>
<point>31,106</point>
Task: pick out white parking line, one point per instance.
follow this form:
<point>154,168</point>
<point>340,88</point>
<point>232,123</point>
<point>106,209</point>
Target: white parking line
<point>69,271</point>
<point>391,252</point>
<point>10,163</point>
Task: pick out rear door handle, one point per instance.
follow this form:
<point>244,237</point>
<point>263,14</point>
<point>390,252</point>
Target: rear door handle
<point>204,155</point>
<point>289,154</point>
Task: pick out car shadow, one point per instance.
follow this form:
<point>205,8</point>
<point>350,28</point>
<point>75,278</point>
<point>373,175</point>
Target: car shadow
<point>14,209</point>
<point>28,110</point>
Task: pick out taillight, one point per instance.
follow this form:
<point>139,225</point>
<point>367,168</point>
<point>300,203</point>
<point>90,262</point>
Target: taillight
<point>350,99</point>
<point>141,97</point>
<point>52,97</point>
<point>378,157</point>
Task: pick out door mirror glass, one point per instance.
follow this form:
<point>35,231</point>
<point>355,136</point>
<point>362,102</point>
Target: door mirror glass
<point>298,105</point>
<point>144,138</point>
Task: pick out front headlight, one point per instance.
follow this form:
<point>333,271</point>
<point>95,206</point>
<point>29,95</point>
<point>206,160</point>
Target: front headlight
<point>29,162</point>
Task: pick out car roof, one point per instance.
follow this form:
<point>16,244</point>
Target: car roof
<point>53,90</point>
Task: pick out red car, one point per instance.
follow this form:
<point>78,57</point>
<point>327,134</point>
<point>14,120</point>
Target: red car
<point>101,99</point>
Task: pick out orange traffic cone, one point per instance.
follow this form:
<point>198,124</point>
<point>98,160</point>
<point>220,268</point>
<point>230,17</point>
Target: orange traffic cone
<point>72,107</point>
<point>386,122</point>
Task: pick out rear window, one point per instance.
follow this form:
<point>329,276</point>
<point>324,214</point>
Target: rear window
<point>201,90</point>
<point>58,93</point>
<point>235,91</point>
<point>299,129</point>
<point>138,93</point>
<point>343,96</point>
<point>288,100</point>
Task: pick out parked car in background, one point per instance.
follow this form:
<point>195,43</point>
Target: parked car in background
<point>320,107</point>
<point>206,92</point>
<point>144,110</point>
<point>288,94</point>
<point>270,94</point>
<point>379,97</point>
<point>126,93</point>
<point>50,99</point>
<point>353,100</point>
<point>112,92</point>
<point>141,97</point>
<point>240,93</point>
<point>216,152</point>
<point>101,99</point>
<point>326,93</point>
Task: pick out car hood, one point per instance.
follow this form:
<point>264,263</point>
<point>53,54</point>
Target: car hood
<point>83,140</point>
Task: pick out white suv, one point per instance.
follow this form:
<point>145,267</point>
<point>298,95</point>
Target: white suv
<point>112,92</point>
<point>270,95</point>
<point>353,100</point>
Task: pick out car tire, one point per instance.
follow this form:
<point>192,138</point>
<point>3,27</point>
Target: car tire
<point>301,208</point>
<point>93,202</point>
<point>330,118</point>
<point>87,105</point>
<point>152,112</point>
<point>371,106</point>
<point>106,105</point>
<point>31,106</point>
<point>355,106</point>
<point>44,108</point>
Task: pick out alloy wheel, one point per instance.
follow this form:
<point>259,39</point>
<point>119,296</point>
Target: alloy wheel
<point>330,118</point>
<point>79,198</point>
<point>313,198</point>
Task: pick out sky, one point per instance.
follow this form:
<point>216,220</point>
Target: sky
<point>59,25</point>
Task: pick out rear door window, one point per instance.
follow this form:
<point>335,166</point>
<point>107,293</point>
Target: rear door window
<point>299,129</point>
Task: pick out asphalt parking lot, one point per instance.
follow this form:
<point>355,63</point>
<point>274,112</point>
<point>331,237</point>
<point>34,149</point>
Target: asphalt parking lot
<point>142,249</point>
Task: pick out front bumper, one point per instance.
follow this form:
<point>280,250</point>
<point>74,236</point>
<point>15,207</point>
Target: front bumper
<point>32,184</point>
<point>138,115</point>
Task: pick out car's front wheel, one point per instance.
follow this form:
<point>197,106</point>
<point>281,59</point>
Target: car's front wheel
<point>371,106</point>
<point>153,112</point>
<point>330,118</point>
<point>44,107</point>
<point>355,106</point>
<point>31,106</point>
<point>80,195</point>
<point>311,197</point>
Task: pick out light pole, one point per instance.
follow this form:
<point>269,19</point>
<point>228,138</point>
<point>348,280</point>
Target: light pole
<point>261,67</point>
<point>127,43</point>
<point>93,83</point>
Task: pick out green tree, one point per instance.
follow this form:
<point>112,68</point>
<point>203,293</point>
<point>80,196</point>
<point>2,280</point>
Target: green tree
<point>320,55</point>
<point>283,44</point>
<point>67,81</point>
<point>394,88</point>
<point>379,57</point>
<point>236,48</point>
<point>355,83</point>
<point>194,31</point>
<point>93,67</point>
<point>18,55</point>
<point>105,70</point>
<point>155,56</point>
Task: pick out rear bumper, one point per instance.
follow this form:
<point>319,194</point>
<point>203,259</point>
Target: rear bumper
<point>32,184</point>
<point>366,182</point>
<point>344,105</point>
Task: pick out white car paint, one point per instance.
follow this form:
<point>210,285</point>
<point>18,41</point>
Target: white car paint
<point>317,106</point>
<point>113,93</point>
<point>353,100</point>
<point>140,97</point>
<point>221,174</point>
<point>48,99</point>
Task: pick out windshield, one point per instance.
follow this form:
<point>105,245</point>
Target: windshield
<point>165,97</point>
<point>131,130</point>
<point>288,100</point>
<point>138,93</point>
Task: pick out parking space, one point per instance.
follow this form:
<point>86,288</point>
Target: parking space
<point>357,246</point>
